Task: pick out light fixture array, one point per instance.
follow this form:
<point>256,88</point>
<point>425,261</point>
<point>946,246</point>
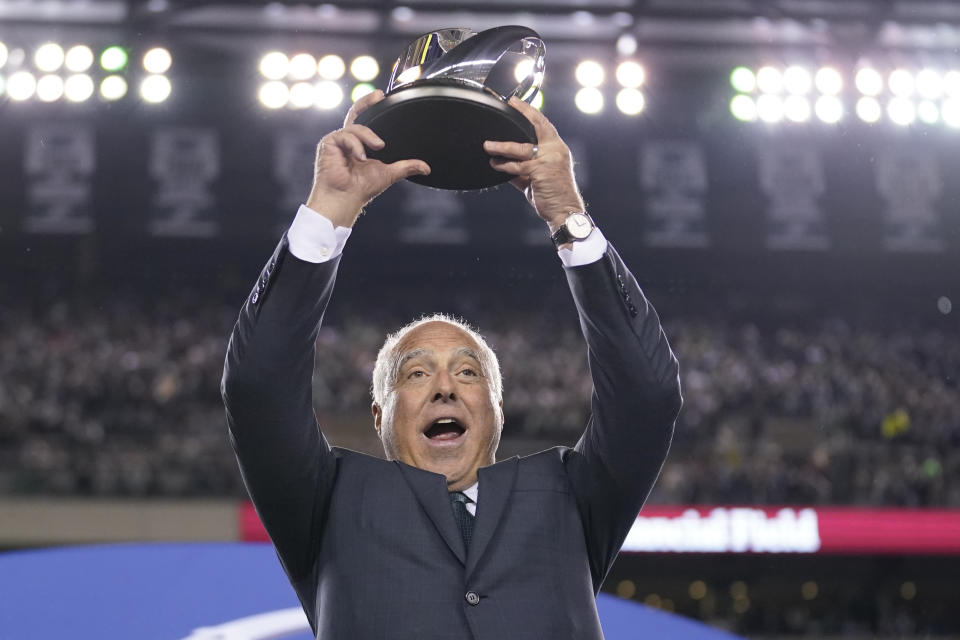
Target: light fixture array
<point>796,95</point>
<point>302,81</point>
<point>74,74</point>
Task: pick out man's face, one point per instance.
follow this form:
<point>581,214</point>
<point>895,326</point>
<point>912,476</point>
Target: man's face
<point>440,414</point>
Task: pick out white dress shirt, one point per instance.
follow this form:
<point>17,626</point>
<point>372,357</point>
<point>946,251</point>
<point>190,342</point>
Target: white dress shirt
<point>313,238</point>
<point>471,492</point>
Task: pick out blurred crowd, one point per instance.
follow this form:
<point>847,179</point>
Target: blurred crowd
<point>120,396</point>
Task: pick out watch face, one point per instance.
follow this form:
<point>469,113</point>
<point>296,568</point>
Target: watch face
<point>579,226</point>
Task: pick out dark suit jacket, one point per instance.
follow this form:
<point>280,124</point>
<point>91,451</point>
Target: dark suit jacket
<point>371,546</point>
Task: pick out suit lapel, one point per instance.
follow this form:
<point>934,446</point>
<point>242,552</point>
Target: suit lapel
<point>496,485</point>
<point>431,492</point>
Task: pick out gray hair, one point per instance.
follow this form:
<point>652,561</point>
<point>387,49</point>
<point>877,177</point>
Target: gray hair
<point>388,361</point>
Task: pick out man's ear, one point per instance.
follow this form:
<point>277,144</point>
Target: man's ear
<point>377,416</point>
<point>500,406</point>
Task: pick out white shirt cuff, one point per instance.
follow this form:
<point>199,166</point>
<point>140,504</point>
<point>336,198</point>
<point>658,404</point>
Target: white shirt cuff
<point>313,238</point>
<point>584,251</point>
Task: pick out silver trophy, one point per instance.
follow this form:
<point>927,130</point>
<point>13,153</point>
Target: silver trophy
<point>448,93</point>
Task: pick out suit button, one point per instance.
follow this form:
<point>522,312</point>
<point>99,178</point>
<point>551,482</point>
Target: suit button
<point>255,297</point>
<point>472,598</point>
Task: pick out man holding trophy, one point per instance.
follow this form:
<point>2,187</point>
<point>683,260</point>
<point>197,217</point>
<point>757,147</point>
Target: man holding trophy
<point>438,540</point>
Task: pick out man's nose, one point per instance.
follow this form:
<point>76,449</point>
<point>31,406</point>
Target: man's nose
<point>443,388</point>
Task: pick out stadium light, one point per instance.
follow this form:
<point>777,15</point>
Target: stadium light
<point>78,87</point>
<point>770,80</point>
<point>589,73</point>
<point>770,108</point>
<point>50,88</point>
<point>630,74</point>
<point>743,108</point>
<point>364,68</point>
<point>928,112</point>
<point>868,109</point>
<point>589,100</point>
<point>828,81</point>
<point>901,83</point>
<point>302,95</point>
<point>113,88</point>
<point>950,112</point>
<point>626,45</point>
<point>331,67</point>
<point>743,80</point>
<point>274,65</point>
<point>113,58</point>
<point>303,66</point>
<point>797,81</point>
<point>48,57</point>
<point>796,108</point>
<point>951,83</point>
<point>329,95</point>
<point>79,58</point>
<point>21,86</point>
<point>274,94</point>
<point>929,84</point>
<point>869,81</point>
<point>630,101</point>
<point>155,89</point>
<point>829,109</point>
<point>902,111</point>
<point>157,60</point>
<point>360,90</point>
<point>4,54</point>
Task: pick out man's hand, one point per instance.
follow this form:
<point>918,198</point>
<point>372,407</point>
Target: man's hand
<point>344,179</point>
<point>546,180</point>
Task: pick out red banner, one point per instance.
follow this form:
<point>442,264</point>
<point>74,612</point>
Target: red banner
<point>736,529</point>
<point>725,529</point>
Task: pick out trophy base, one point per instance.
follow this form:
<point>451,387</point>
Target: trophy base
<point>445,126</point>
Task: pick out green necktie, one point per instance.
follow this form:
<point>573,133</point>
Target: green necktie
<point>459,500</point>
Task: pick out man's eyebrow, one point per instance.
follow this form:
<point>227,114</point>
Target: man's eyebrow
<point>410,355</point>
<point>470,353</point>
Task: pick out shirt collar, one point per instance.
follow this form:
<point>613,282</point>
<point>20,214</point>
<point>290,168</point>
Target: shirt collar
<point>472,491</point>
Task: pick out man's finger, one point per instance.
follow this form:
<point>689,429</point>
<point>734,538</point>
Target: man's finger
<point>544,128</point>
<point>366,135</point>
<point>405,168</point>
<point>362,105</point>
<point>514,150</point>
<point>350,144</point>
<point>513,167</point>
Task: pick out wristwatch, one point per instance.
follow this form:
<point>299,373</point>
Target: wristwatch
<point>577,226</point>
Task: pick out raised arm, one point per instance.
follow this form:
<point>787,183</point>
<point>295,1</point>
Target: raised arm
<point>285,461</point>
<point>636,388</point>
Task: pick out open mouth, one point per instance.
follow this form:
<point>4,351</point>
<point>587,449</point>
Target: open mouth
<point>444,429</point>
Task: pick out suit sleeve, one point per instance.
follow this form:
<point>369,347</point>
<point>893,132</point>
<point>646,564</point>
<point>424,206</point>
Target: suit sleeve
<point>286,463</point>
<point>634,405</point>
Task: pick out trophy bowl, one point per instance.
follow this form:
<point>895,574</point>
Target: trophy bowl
<point>448,93</point>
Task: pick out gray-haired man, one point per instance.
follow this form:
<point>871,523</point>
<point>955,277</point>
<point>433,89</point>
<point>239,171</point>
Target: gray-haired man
<point>437,541</point>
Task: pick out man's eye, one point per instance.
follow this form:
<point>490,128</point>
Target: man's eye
<point>416,373</point>
<point>469,372</point>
